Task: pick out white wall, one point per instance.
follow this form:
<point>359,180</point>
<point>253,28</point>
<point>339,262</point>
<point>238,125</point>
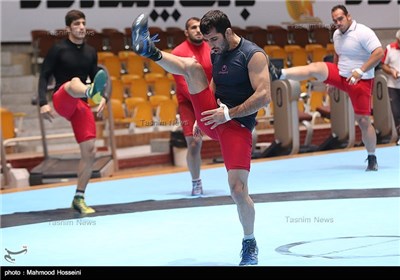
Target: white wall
<point>17,22</point>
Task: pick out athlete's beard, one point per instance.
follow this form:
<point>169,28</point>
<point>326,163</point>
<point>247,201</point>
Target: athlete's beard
<point>225,46</point>
<point>195,41</point>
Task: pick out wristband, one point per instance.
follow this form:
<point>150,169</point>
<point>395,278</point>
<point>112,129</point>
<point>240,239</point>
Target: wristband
<point>359,71</point>
<point>226,111</point>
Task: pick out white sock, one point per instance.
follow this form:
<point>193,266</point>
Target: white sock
<point>87,91</point>
<point>283,75</point>
<point>196,182</point>
<point>247,237</point>
<point>80,193</point>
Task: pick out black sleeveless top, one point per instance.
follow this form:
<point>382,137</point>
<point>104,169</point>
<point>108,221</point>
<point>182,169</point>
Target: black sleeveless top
<point>231,77</point>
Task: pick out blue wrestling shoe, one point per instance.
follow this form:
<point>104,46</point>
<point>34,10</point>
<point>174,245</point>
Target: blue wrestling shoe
<point>96,90</point>
<point>142,43</point>
<point>249,252</point>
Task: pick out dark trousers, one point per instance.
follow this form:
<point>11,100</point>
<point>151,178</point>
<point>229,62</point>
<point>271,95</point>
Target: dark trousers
<point>394,94</point>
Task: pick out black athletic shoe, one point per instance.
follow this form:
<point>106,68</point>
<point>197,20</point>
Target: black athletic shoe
<point>274,72</point>
<point>372,163</point>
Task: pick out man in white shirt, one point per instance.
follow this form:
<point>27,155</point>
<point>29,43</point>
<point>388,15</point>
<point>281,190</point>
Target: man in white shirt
<point>357,52</point>
<point>391,66</point>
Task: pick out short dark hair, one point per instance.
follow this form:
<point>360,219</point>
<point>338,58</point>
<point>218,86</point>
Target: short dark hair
<point>214,19</point>
<point>73,15</point>
<point>340,7</point>
<point>187,22</point>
